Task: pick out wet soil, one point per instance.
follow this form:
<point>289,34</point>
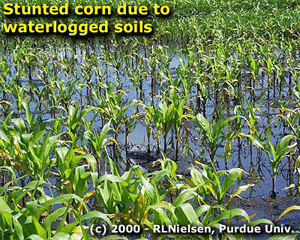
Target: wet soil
<point>257,207</point>
<point>269,208</point>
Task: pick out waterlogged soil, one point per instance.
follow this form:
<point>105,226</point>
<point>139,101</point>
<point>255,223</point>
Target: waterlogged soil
<point>271,209</point>
<point>261,205</point>
<point>256,207</point>
<point>268,208</point>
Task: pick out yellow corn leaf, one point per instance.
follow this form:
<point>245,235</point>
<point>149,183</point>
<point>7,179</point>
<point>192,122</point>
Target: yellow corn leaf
<point>295,207</point>
<point>239,191</point>
<point>211,190</point>
<point>126,217</point>
<point>297,164</point>
<point>68,186</point>
<point>23,166</point>
<point>86,196</point>
<point>245,220</point>
<point>114,140</point>
<point>4,156</point>
<point>142,200</point>
<point>45,214</point>
<point>77,233</point>
<point>146,222</point>
<point>80,151</point>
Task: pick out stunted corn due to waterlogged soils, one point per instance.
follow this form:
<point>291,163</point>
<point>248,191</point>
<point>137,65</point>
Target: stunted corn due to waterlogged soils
<point>151,130</point>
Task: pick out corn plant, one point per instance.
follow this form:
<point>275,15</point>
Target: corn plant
<point>275,154</point>
<point>214,134</point>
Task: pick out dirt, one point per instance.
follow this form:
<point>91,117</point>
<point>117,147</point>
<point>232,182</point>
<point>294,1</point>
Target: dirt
<point>271,209</point>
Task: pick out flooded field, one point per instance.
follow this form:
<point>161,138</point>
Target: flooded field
<point>195,125</point>
<point>191,108</point>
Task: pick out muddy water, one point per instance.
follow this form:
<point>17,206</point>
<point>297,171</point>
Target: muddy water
<point>137,138</point>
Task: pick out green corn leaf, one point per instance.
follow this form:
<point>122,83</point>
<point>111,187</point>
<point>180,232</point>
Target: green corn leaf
<point>4,206</point>
<point>18,229</point>
<point>202,122</point>
<point>202,209</point>
<point>260,221</point>
<point>230,180</point>
<point>282,148</point>
<point>61,236</point>
<point>54,216</point>
<point>185,196</point>
<point>186,214</point>
<point>283,237</point>
<point>151,191</point>
<point>228,214</point>
<point>34,237</point>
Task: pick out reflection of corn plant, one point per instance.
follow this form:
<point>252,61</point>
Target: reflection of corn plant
<point>130,124</point>
<point>148,120</point>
